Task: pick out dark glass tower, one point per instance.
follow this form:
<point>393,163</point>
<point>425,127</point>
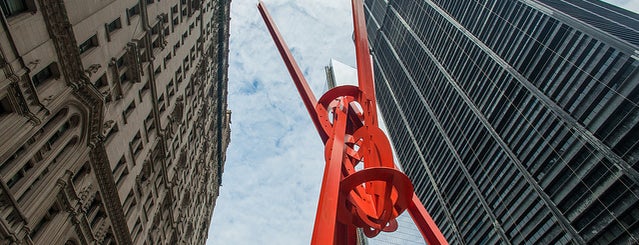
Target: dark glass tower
<point>518,121</point>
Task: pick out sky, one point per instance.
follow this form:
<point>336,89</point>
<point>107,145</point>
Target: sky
<point>275,159</point>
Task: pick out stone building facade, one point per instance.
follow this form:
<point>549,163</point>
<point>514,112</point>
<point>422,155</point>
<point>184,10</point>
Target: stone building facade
<point>113,120</point>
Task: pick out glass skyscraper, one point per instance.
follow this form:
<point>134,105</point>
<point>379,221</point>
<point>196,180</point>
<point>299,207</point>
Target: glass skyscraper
<point>518,121</point>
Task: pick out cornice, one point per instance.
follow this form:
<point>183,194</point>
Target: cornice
<point>23,107</point>
<point>93,99</point>
<point>221,77</point>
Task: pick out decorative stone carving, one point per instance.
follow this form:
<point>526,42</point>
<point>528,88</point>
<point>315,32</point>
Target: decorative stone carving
<point>178,111</point>
<point>93,98</point>
<point>23,106</point>
<point>107,126</point>
<point>163,19</point>
<point>182,159</point>
<point>144,178</point>
<point>92,69</point>
<point>132,59</point>
<point>111,200</point>
<point>61,32</point>
<point>86,197</point>
<point>101,231</point>
<point>115,70</point>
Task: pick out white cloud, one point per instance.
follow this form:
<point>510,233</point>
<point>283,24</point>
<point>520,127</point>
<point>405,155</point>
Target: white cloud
<point>632,5</point>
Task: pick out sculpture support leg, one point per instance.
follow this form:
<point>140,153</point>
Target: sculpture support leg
<point>326,217</point>
<point>425,223</point>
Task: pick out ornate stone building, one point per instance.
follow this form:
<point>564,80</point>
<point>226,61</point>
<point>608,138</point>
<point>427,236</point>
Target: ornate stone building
<point>113,120</point>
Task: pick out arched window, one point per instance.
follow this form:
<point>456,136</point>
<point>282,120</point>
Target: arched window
<point>43,223</point>
<point>37,174</point>
<point>18,164</point>
<point>71,242</point>
<point>74,120</point>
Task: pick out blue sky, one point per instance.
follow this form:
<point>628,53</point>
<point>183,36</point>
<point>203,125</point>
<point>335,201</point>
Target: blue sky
<point>275,160</point>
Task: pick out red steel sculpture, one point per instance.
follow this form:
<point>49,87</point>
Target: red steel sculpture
<point>346,119</point>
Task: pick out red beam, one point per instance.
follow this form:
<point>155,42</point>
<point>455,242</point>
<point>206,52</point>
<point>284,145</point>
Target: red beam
<point>425,223</point>
<point>298,77</point>
<point>326,217</point>
<point>364,64</point>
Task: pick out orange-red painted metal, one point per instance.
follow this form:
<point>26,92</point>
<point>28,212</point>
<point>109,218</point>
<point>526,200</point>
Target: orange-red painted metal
<point>364,65</point>
<point>346,119</point>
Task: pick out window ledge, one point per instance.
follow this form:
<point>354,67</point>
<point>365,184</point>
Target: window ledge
<point>13,20</point>
<point>88,52</point>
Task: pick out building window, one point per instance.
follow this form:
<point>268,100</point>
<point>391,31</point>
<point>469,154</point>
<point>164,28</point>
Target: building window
<point>176,21</point>
<point>51,213</point>
<point>145,88</point>
<point>114,25</point>
<point>132,12</point>
<point>161,103</point>
<point>20,174</point>
<point>120,62</point>
<point>129,109</point>
<point>169,89</point>
<point>124,78</point>
<point>176,47</point>
<point>186,63</point>
<point>87,45</point>
<point>59,133</point>
<point>135,10</point>
<point>120,171</point>
<point>137,229</point>
<point>136,144</point>
<point>102,82</point>
<point>156,29</point>
<point>5,107</point>
<point>178,72</point>
<point>166,59</point>
<point>149,123</point>
<point>157,45</point>
<point>13,7</point>
<point>112,132</point>
<point>130,203</point>
<point>44,75</point>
